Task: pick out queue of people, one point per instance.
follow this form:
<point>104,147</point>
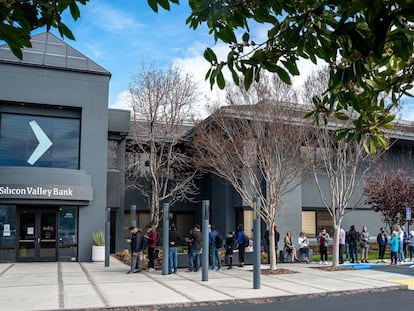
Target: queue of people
<point>352,242</point>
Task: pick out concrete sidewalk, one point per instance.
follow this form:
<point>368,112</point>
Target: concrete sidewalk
<point>66,285</point>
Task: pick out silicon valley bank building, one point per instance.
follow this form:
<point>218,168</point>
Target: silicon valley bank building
<point>54,131</point>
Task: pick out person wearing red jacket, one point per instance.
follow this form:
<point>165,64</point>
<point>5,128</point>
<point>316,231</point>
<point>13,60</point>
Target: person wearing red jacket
<point>151,237</point>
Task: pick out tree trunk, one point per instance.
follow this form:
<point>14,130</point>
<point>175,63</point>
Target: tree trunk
<point>272,252</point>
<point>155,205</point>
<point>335,255</point>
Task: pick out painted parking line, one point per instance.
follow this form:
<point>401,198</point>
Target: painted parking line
<point>408,282</point>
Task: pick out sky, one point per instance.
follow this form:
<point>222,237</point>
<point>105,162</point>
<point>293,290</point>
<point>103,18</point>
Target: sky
<point>120,35</point>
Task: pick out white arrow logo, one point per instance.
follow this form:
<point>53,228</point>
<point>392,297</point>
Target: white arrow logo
<point>44,143</point>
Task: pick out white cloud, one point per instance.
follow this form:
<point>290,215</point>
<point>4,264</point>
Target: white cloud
<point>195,64</point>
<point>111,19</point>
<point>122,101</point>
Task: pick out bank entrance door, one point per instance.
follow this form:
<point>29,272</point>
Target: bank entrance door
<point>37,240</point>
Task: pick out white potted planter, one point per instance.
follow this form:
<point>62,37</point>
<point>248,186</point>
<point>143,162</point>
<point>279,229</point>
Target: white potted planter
<point>98,249</point>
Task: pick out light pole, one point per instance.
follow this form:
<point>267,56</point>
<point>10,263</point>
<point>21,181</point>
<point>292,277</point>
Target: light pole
<point>165,238</point>
<point>256,242</point>
<point>204,263</point>
<point>107,236</point>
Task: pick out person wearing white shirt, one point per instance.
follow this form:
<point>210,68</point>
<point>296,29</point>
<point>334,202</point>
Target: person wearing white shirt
<point>303,244</point>
<point>342,236</point>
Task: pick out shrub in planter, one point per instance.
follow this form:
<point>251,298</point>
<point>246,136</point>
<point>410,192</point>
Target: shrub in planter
<point>99,238</point>
<point>98,249</point>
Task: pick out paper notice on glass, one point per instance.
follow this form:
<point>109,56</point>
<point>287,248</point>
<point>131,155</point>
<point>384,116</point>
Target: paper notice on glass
<point>6,230</point>
<point>30,230</point>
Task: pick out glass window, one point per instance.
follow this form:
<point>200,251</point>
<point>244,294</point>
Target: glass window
<point>20,135</point>
<point>309,223</point>
<point>7,232</point>
<point>68,237</point>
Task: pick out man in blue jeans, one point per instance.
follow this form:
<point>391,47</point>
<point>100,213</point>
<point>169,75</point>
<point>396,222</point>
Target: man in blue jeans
<point>174,240</point>
<point>214,251</point>
<point>194,253</point>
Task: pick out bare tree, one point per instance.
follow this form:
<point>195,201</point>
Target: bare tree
<point>257,149</point>
<point>341,163</point>
<point>160,168</point>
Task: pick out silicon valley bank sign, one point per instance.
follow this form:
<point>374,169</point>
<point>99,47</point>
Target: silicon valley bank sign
<point>51,192</point>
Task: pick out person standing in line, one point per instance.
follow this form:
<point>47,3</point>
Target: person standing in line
<point>411,245</point>
<point>229,246</point>
<point>214,248</point>
<point>303,244</point>
<point>342,241</point>
<point>405,241</point>
<point>194,254</point>
<point>394,248</point>
<point>400,235</point>
<point>267,248</point>
<point>241,245</point>
<point>347,253</point>
<point>136,247</point>
<point>382,241</point>
<point>353,238</point>
<point>323,239</point>
<point>364,244</point>
<point>151,237</point>
<point>174,240</point>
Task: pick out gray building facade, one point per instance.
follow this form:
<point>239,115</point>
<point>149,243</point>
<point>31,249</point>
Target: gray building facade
<point>54,131</point>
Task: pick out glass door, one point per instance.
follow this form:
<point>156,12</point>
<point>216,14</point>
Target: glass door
<point>37,234</point>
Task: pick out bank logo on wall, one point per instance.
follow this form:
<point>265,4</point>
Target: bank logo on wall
<point>44,143</point>
<point>39,141</point>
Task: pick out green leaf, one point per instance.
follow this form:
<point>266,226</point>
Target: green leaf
<point>153,5</point>
<point>235,76</point>
<point>248,78</point>
<point>309,114</point>
<point>226,34</point>
<point>210,56</point>
<point>65,31</point>
<point>221,83</point>
<point>74,10</point>
<point>291,66</point>
<point>341,116</point>
<point>246,37</point>
<point>165,4</point>
<point>382,142</point>
<point>283,75</point>
<point>341,135</point>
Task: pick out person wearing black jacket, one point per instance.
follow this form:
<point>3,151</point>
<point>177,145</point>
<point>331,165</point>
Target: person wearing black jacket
<point>136,247</point>
<point>174,240</point>
<point>229,246</point>
<point>382,240</point>
<point>353,239</point>
<point>267,248</point>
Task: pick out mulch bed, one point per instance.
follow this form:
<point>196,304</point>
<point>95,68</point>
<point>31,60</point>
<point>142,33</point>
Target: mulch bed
<point>277,271</point>
<point>330,268</point>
